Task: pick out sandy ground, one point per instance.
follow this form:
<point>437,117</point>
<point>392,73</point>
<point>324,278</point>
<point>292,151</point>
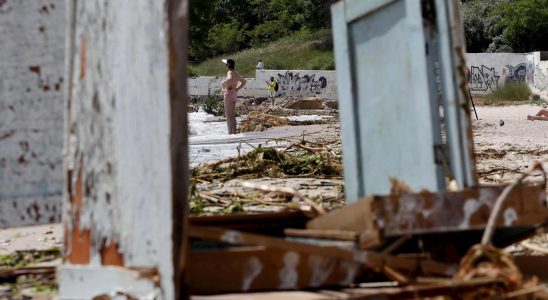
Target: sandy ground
<point>516,132</point>
<point>502,153</point>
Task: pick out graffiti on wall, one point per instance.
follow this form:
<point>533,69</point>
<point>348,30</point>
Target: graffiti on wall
<point>292,84</point>
<point>516,73</point>
<point>483,78</point>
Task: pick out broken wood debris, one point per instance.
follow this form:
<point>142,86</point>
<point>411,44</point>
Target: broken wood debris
<point>307,159</point>
<point>398,237</point>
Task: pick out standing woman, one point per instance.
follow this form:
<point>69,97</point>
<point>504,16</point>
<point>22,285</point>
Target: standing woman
<point>230,89</point>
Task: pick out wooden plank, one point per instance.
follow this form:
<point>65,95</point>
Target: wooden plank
<point>248,269</point>
<point>368,258</point>
<point>346,93</point>
<point>342,235</point>
<point>119,194</point>
<point>178,49</point>
<point>31,111</point>
<point>452,288</point>
<point>457,211</point>
<point>265,223</point>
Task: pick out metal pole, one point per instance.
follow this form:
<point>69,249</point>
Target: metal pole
<point>472,101</point>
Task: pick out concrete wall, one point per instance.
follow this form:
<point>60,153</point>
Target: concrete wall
<point>32,35</point>
<point>292,83</point>
<point>302,83</point>
<point>488,71</point>
<point>537,73</point>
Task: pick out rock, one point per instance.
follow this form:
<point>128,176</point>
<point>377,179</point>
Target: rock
<point>534,97</point>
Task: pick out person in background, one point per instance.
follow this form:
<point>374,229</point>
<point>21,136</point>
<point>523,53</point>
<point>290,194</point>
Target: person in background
<point>272,89</point>
<point>230,86</point>
<point>260,65</point>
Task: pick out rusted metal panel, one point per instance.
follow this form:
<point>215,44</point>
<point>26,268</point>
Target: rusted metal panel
<point>31,111</point>
<point>456,211</point>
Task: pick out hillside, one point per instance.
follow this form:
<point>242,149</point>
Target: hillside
<point>303,50</point>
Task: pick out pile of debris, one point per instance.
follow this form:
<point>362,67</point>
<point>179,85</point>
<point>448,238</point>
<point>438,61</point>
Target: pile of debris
<point>303,159</point>
<point>313,172</point>
<point>29,274</point>
<point>398,246</point>
<point>260,120</point>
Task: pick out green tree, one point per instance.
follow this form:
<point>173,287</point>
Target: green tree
<point>317,13</point>
<point>525,24</point>
<point>200,22</point>
<point>481,27</point>
<point>226,37</point>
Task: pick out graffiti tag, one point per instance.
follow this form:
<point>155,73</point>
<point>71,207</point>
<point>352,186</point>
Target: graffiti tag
<point>516,73</point>
<point>294,85</point>
<point>483,79</point>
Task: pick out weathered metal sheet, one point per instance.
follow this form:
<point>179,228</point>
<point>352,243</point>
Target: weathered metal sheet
<point>457,211</point>
<point>391,130</point>
<point>389,55</point>
<point>31,111</point>
<point>454,91</point>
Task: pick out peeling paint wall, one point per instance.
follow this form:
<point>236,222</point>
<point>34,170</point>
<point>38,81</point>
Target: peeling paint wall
<point>489,71</point>
<point>118,193</point>
<point>537,73</point>
<point>32,39</point>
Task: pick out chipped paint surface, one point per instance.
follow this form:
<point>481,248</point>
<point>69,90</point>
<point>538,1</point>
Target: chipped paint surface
<point>289,277</point>
<point>31,111</point>
<point>88,282</point>
<point>252,269</point>
<point>469,209</point>
<point>510,216</point>
<point>118,131</point>
<point>321,267</point>
<point>350,269</point>
<point>231,237</point>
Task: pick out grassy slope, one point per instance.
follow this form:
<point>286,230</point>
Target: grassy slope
<point>302,51</point>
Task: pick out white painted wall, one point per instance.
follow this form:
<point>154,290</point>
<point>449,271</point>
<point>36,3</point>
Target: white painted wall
<point>32,35</point>
<point>488,71</point>
<point>292,83</point>
<point>305,83</point>
<point>537,73</point>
